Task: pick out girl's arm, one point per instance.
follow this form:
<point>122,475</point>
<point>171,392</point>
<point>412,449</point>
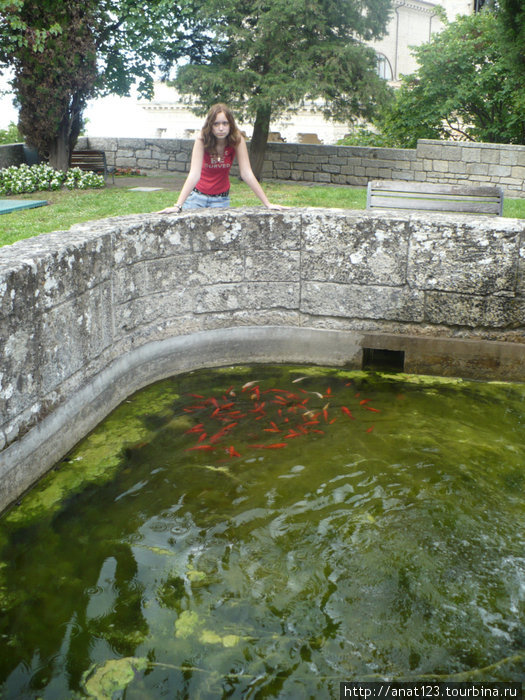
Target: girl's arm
<point>246,173</point>
<point>192,179</point>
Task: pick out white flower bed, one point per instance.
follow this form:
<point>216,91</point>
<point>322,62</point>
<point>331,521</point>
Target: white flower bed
<point>25,178</point>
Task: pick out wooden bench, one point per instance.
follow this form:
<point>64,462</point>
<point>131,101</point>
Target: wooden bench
<point>92,160</point>
<point>423,196</point>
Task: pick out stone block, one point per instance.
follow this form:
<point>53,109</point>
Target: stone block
<point>105,144</point>
<point>55,268</point>
<point>518,172</point>
<point>130,281</point>
<point>429,149</point>
<point>147,163</point>
<point>362,301</point>
<point>176,167</point>
<point>477,257</point>
<point>125,153</point>
<point>87,324</point>
<point>146,237</point>
<point>142,312</point>
<point>471,154</point>
<point>451,153</point>
<point>457,167</point>
<point>474,311</point>
<point>477,168</point>
<point>20,369</point>
<point>497,171</point>
<point>288,157</point>
<point>248,295</point>
<point>160,155</point>
<point>402,165</point>
<point>335,169</point>
<point>490,155</point>
<point>306,167</point>
<point>441,166</point>
<point>265,265</point>
<point>313,159</point>
<point>354,250</point>
<point>512,155</point>
<point>121,162</point>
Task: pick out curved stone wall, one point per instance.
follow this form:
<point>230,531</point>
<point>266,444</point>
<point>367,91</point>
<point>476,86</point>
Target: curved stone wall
<point>90,315</point>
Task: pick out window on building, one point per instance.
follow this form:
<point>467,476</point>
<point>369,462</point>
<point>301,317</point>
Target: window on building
<point>478,4</point>
<point>384,69</point>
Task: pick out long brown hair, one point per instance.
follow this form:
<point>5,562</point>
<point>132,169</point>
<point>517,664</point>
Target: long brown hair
<point>210,142</point>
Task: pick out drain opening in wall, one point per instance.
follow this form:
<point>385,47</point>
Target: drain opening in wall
<point>383,360</point>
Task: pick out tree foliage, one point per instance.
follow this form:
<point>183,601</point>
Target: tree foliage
<point>464,88</point>
<point>268,56</point>
<point>511,14</point>
<point>63,52</point>
<point>10,135</point>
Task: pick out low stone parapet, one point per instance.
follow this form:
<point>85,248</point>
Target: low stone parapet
<point>89,315</point>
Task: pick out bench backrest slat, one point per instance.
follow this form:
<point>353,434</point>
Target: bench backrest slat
<point>91,160</point>
<point>399,194</point>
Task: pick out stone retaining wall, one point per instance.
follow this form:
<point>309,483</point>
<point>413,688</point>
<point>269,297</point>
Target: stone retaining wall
<point>432,161</point>
<point>12,154</point>
<point>89,315</point>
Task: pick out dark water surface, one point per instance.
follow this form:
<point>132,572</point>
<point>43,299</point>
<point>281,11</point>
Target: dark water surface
<point>269,531</point>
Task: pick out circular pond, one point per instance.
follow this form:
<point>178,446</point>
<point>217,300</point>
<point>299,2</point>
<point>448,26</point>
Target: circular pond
<point>270,531</point>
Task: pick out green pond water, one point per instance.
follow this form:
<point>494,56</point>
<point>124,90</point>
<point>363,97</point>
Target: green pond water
<point>270,531</point>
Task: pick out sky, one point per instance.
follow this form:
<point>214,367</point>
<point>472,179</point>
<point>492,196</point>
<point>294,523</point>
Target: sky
<point>107,116</point>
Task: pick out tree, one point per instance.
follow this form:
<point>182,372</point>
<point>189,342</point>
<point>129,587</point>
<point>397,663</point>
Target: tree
<point>269,55</point>
<point>63,52</point>
<point>464,88</point>
<point>511,14</point>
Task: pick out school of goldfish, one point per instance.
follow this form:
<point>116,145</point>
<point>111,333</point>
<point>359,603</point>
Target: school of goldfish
<point>280,415</point>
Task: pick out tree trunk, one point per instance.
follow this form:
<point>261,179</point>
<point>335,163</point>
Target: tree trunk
<point>259,139</point>
<point>59,147</point>
<point>67,134</point>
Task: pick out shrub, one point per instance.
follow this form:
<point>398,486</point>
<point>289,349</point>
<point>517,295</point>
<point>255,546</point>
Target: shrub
<point>11,134</point>
<point>24,178</point>
<point>363,136</point>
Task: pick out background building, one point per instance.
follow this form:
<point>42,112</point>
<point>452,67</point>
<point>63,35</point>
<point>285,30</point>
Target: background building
<point>412,23</point>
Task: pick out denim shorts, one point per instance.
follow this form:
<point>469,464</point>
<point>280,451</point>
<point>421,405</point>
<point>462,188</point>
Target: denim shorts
<point>197,200</point>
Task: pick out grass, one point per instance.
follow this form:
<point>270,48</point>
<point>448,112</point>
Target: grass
<point>72,207</point>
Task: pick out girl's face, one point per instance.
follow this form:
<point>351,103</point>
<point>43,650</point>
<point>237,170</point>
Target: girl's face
<point>220,126</point>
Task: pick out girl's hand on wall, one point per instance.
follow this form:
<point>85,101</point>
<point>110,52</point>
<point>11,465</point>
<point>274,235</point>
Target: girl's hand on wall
<point>170,210</point>
<point>277,206</point>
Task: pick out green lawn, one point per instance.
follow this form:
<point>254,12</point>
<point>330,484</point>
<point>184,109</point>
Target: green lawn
<point>71,207</point>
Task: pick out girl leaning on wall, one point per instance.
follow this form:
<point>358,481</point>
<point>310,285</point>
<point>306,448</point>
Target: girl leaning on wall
<point>214,150</point>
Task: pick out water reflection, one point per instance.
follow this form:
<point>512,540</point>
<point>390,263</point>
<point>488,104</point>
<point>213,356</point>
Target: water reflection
<point>347,554</point>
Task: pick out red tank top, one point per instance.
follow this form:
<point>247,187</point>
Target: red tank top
<point>215,173</point>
